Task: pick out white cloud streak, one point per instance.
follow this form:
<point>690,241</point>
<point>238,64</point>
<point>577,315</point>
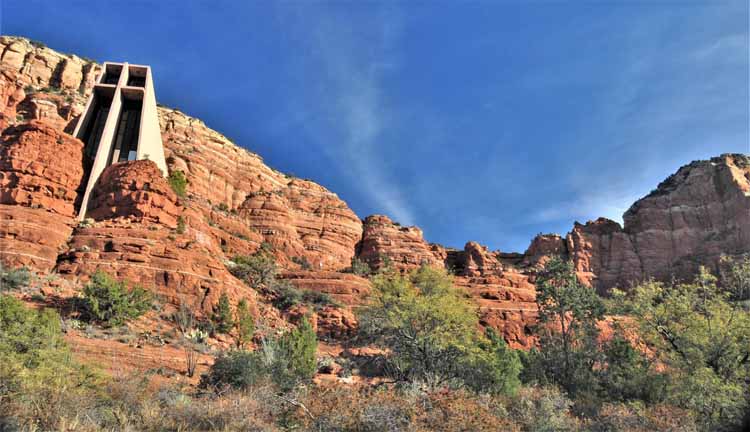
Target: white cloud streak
<point>353,62</point>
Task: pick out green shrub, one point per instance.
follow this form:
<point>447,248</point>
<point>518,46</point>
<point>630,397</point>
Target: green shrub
<point>429,328</point>
<point>288,361</point>
<point>12,279</point>
<point>111,302</point>
<point>237,368</point>
<point>359,267</point>
<point>180,225</point>
<point>702,334</point>
<point>37,372</point>
<point>296,361</point>
<point>302,262</point>
<point>222,316</point>
<point>257,270</point>
<point>244,323</point>
<point>288,296</point>
<point>178,182</point>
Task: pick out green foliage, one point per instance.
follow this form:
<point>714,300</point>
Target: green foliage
<point>735,276</point>
<point>237,368</point>
<point>178,182</point>
<point>296,361</point>
<point>257,270</point>
<point>568,313</point>
<point>288,361</point>
<point>287,296</point>
<point>430,330</point>
<point>36,365</point>
<point>359,267</point>
<point>244,323</point>
<point>12,279</point>
<point>222,315</point>
<point>703,339</point>
<point>495,368</point>
<point>627,375</point>
<point>180,225</point>
<point>111,302</point>
<point>302,262</point>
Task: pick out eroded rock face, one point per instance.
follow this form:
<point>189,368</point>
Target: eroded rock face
<point>43,67</point>
<point>385,241</point>
<point>298,217</point>
<point>346,290</point>
<point>176,267</point>
<point>40,170</point>
<point>603,255</point>
<point>691,219</point>
<point>474,260</point>
<point>135,190</point>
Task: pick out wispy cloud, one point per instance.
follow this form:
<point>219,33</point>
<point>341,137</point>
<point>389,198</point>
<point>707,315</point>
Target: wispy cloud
<point>351,98</point>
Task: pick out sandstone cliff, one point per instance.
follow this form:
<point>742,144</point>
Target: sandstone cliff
<point>689,220</point>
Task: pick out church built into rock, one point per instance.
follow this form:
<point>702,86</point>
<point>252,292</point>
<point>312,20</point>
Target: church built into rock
<point>119,123</point>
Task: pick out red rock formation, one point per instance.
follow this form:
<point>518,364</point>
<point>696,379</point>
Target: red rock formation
<point>135,190</point>
<point>542,247</point>
<point>384,240</point>
<point>347,290</point>
<point>43,67</point>
<point>691,219</point>
<point>603,254</point>
<point>298,217</point>
<point>507,302</point>
<point>235,202</point>
<point>177,267</point>
<point>40,170</point>
<point>474,260</point>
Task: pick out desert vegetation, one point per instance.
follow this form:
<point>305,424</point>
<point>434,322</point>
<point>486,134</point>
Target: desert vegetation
<point>656,357</point>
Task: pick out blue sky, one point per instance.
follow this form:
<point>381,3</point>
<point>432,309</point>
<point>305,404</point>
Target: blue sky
<point>488,121</point>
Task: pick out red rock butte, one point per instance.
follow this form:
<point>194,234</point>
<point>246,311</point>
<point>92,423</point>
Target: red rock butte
<point>235,202</point>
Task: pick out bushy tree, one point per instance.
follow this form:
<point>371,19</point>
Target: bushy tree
<point>627,374</point>
<point>244,323</point>
<point>112,302</point>
<point>567,330</point>
<point>222,315</point>
<point>702,338</point>
<point>296,360</point>
<point>429,328</point>
<point>735,276</point>
<point>236,368</point>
